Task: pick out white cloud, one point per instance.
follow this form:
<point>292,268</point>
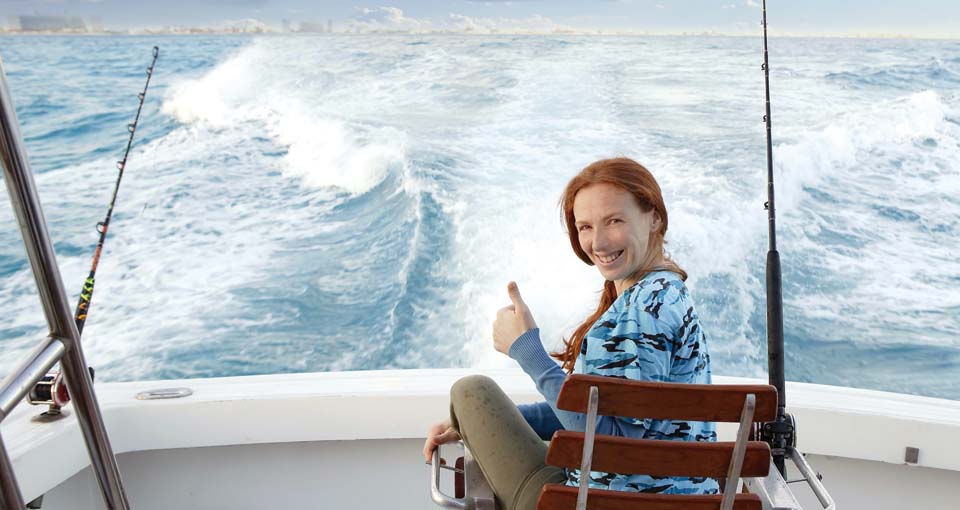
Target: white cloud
<point>373,19</point>
<point>393,19</point>
<point>467,24</point>
<point>531,24</point>
<point>751,3</point>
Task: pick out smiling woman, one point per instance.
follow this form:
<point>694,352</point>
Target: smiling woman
<point>616,219</point>
<point>645,328</point>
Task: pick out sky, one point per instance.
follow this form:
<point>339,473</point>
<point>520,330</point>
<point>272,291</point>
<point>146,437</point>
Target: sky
<point>919,18</point>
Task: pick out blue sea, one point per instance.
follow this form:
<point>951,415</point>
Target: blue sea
<point>355,202</point>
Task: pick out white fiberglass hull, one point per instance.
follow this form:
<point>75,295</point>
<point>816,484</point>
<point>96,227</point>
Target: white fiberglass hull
<point>353,440</point>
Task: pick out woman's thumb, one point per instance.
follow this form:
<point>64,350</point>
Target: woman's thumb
<point>514,292</point>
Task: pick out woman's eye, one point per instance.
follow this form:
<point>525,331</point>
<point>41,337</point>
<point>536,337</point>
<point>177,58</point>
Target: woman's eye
<point>615,220</point>
<point>582,228</point>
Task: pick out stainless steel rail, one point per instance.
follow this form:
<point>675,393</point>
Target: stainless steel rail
<point>812,479</point>
<point>10,496</point>
<point>436,494</point>
<point>36,365</point>
<point>63,329</point>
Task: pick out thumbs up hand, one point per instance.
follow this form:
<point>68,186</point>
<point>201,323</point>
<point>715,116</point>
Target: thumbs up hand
<point>512,321</point>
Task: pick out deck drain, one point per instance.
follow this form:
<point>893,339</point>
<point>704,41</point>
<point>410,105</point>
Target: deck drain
<point>164,393</point>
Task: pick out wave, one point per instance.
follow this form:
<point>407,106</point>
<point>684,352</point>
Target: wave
<point>243,94</point>
<point>888,217</point>
<point>933,73</point>
<point>841,144</point>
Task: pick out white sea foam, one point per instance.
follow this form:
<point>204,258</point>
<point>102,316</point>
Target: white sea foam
<point>248,92</point>
<point>398,183</point>
<point>898,260</point>
<point>845,142</point>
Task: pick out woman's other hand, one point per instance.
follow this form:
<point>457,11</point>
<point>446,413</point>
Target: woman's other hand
<point>441,433</point>
<point>512,321</point>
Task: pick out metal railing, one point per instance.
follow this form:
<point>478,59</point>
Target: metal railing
<point>63,343</point>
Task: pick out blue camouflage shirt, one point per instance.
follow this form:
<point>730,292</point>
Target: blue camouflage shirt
<point>650,333</point>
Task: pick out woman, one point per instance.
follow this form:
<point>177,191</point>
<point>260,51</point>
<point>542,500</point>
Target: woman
<point>645,328</point>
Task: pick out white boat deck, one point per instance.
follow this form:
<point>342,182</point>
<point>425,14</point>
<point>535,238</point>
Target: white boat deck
<point>258,441</point>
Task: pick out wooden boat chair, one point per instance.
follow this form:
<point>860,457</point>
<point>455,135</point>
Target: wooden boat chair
<point>608,396</point>
<point>728,461</point>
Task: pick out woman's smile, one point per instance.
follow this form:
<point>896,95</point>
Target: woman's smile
<point>606,260</point>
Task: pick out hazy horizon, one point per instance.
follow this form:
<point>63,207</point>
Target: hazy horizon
<point>853,18</point>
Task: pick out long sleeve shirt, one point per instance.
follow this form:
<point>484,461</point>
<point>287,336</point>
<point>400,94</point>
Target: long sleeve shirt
<point>650,333</point>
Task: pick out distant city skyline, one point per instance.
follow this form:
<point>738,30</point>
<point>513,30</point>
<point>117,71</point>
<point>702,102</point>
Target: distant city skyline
<point>914,18</point>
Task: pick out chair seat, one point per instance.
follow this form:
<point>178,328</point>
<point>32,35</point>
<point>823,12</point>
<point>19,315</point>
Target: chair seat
<point>562,497</point>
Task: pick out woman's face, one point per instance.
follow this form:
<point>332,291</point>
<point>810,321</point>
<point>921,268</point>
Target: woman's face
<point>614,232</point>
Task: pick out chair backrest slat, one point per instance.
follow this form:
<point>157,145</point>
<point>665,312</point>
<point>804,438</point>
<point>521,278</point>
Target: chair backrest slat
<point>561,497</point>
<point>667,401</point>
<point>657,457</point>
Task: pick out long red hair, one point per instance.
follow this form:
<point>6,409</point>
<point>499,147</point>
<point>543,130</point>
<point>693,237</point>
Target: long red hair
<point>631,176</point>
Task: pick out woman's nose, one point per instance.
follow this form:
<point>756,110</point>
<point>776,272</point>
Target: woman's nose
<point>599,240</point>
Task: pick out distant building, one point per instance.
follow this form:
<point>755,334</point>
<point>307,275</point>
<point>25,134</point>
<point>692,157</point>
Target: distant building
<point>329,26</point>
<point>52,24</point>
<point>244,26</point>
<point>310,26</point>
<point>95,24</point>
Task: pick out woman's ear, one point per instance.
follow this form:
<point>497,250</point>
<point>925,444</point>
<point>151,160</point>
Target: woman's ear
<point>655,223</point>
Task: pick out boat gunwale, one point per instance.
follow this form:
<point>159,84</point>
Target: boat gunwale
<point>400,404</point>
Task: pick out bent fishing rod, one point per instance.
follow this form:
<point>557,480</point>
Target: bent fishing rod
<point>50,390</point>
<point>780,433</point>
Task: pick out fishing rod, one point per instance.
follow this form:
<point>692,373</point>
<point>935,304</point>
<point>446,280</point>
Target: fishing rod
<point>780,433</point>
<point>86,294</point>
<point>50,390</point>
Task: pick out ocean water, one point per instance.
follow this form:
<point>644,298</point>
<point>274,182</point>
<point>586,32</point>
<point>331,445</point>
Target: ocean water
<point>300,204</point>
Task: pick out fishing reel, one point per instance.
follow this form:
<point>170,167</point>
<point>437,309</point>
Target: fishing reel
<point>781,435</point>
<point>51,391</point>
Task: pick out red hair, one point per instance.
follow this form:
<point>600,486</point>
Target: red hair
<point>632,177</point>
